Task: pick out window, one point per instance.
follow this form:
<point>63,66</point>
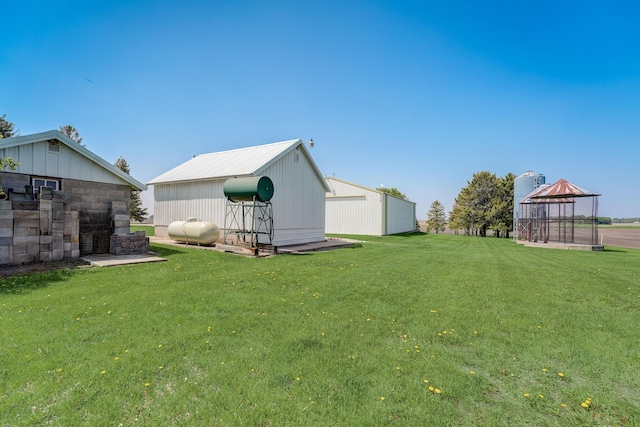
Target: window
<point>45,182</point>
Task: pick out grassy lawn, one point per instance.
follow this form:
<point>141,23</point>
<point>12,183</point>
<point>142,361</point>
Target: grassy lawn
<point>404,330</point>
<point>148,229</point>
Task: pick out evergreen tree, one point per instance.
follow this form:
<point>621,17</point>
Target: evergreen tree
<point>6,131</point>
<point>393,191</point>
<point>6,128</point>
<point>435,217</point>
<point>502,207</point>
<point>136,211</point>
<point>485,203</point>
<point>72,133</point>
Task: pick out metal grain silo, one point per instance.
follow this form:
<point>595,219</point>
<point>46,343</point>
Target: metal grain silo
<point>522,186</point>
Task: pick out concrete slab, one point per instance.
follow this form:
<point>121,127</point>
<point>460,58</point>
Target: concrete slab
<point>325,245</point>
<point>317,246</point>
<point>557,245</point>
<point>108,260</point>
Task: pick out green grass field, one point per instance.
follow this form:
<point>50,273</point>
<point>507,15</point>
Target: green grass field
<point>416,330</point>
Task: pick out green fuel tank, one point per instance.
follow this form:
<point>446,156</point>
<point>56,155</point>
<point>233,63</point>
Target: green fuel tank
<point>246,188</point>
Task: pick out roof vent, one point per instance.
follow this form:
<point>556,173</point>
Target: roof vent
<point>54,146</point>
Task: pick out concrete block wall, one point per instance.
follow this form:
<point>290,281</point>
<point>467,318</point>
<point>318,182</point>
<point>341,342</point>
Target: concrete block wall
<point>6,232</point>
<point>91,198</point>
<point>120,217</point>
<point>28,235</point>
<point>94,196</point>
<point>54,223</point>
<point>130,244</point>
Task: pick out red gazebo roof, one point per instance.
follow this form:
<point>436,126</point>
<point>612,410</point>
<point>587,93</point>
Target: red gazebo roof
<point>561,189</point>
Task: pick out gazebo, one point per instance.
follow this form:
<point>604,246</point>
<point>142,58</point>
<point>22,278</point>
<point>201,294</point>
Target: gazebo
<point>560,212</point>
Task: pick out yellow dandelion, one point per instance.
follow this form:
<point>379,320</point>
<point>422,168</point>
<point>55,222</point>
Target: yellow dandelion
<point>160,367</point>
<point>560,374</point>
<point>544,369</point>
<point>584,404</point>
<point>116,358</point>
<point>472,373</point>
<point>426,381</point>
<point>159,345</point>
<point>438,391</point>
<point>564,405</point>
<point>431,388</point>
<point>109,312</point>
<point>297,378</point>
<point>103,372</point>
<point>526,395</point>
<point>222,363</point>
<point>381,397</point>
<point>59,369</point>
<point>397,368</point>
<point>146,384</point>
<point>541,396</point>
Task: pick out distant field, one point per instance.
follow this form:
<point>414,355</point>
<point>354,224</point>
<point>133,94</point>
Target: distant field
<point>409,330</point>
<point>627,236</point>
<point>624,235</point>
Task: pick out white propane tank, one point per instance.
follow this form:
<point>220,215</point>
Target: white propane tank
<point>193,231</point>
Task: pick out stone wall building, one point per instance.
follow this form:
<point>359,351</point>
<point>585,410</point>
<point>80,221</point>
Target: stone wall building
<point>62,201</point>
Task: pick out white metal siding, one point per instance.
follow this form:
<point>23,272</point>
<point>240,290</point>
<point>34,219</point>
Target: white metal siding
<point>401,215</point>
<point>35,159</point>
<point>177,202</point>
<point>298,201</point>
<point>351,209</point>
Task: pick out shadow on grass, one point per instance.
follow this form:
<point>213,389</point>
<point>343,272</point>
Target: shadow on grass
<point>25,282</point>
<point>166,251</point>
<point>616,249</point>
<point>409,234</point>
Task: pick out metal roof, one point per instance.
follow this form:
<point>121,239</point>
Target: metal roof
<point>249,161</point>
<point>54,134</point>
<point>559,191</point>
<point>375,190</point>
<point>562,189</point>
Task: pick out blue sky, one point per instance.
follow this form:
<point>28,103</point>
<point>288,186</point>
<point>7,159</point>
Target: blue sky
<point>416,95</point>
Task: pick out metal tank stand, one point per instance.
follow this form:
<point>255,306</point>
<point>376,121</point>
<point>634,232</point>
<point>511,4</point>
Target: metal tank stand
<point>246,221</point>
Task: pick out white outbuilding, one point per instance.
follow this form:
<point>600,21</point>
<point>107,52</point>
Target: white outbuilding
<point>195,189</point>
<point>354,209</point>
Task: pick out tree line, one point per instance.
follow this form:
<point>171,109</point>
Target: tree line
<point>485,203</point>
<point>625,220</point>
